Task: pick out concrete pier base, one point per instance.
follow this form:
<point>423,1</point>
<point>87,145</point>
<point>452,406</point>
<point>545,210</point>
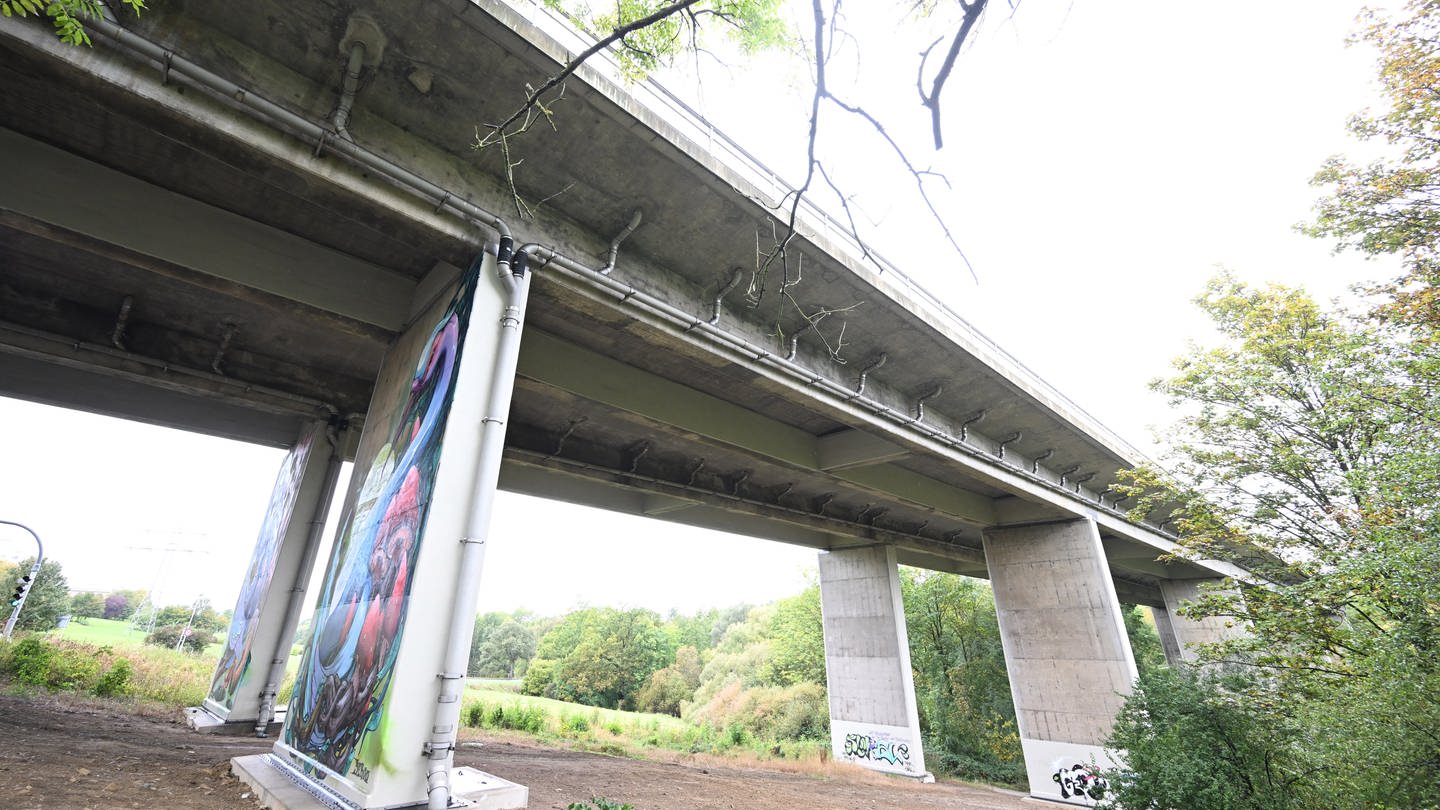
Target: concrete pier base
<point>1066,651</point>
<point>874,721</point>
<point>202,720</point>
<point>1179,633</point>
<point>270,778</point>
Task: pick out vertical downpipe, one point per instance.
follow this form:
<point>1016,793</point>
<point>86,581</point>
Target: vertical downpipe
<point>441,748</point>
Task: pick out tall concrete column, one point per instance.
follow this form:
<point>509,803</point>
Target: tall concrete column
<point>1178,633</point>
<point>366,709</point>
<point>1066,650</point>
<point>874,721</point>
<point>267,609</point>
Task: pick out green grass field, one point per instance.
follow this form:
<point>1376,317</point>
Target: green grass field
<point>114,633</point>
<point>558,714</point>
<point>102,632</point>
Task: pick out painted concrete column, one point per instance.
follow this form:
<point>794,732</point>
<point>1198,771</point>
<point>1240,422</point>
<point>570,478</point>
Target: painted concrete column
<point>874,721</point>
<point>360,720</point>
<point>1066,650</point>
<point>1177,632</point>
<point>264,619</point>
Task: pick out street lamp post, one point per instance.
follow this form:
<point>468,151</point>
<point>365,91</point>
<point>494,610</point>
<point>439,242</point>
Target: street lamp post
<point>26,583</point>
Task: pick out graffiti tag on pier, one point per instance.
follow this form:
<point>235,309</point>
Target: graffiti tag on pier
<point>876,749</point>
<point>1080,782</point>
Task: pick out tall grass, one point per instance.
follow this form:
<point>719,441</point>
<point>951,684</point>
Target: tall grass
<point>623,733</point>
<point>139,672</point>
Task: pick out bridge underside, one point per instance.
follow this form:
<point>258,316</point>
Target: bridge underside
<point>163,257</point>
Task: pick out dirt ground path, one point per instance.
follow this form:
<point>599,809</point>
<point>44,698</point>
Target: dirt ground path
<point>59,754</point>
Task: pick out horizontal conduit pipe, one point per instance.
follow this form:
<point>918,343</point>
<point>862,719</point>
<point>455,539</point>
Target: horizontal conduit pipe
<point>684,321</point>
<point>296,124</point>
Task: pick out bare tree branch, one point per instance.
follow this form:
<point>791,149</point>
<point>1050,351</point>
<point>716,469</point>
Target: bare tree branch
<point>973,10</point>
<point>616,35</point>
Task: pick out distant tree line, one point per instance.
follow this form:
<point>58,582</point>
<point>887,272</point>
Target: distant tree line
<point>49,598</point>
<point>757,674</point>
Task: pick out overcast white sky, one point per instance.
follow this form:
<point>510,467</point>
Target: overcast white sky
<point>1106,156</point>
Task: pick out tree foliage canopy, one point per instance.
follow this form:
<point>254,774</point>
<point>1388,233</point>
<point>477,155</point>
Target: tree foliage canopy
<point>68,16</point>
<point>49,596</point>
<point>1308,451</point>
<point>1391,205</point>
<point>599,657</point>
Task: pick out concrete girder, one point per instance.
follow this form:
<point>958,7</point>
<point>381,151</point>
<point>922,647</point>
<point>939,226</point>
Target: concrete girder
<point>854,448</point>
<point>595,377</point>
<point>183,232</point>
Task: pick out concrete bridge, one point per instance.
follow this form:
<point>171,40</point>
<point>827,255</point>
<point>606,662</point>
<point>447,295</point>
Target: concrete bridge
<point>252,220</point>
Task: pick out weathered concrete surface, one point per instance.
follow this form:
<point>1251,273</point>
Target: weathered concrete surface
<point>1177,632</point>
<point>268,272</point>
<point>873,715</point>
<point>1066,650</point>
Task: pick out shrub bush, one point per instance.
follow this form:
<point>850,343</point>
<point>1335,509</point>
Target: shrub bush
<point>196,640</point>
<point>768,713</point>
<point>116,680</point>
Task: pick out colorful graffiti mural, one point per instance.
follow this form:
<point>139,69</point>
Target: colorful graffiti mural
<point>877,749</point>
<point>1080,782</point>
<point>342,686</point>
<point>234,666</point>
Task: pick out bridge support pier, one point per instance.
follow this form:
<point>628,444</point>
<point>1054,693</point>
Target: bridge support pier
<point>376,706</point>
<point>874,721</point>
<point>1178,633</point>
<point>242,690</point>
<point>1066,650</point>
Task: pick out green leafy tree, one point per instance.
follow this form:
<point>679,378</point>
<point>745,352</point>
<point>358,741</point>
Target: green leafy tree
<point>1192,740</point>
<point>507,647</point>
<point>87,604</point>
<point>485,624</point>
<point>123,604</point>
<point>207,618</point>
<point>651,33</point>
<point>599,657</point>
<point>702,630</point>
<point>961,687</point>
<point>194,640</point>
<point>1388,206</point>
<point>49,596</point>
<point>668,689</point>
<point>173,615</point>
<point>797,641</point>
<point>1309,454</point>
<point>1144,639</point>
<point>68,16</point>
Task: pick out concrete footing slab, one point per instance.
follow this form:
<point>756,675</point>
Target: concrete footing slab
<point>276,789</point>
<point>202,720</point>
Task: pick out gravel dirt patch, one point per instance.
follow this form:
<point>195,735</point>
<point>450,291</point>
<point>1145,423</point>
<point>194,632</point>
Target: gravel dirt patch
<point>62,753</point>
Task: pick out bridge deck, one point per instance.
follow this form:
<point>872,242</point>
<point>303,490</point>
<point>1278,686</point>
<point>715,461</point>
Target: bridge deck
<point>266,273</point>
